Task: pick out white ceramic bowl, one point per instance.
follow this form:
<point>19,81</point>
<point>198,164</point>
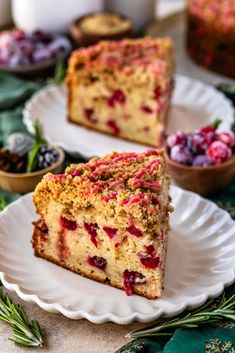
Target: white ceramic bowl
<point>51,15</point>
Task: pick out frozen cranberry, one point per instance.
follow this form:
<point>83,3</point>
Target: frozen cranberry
<point>91,229</point>
<point>219,152</point>
<point>181,154</point>
<point>132,278</point>
<point>67,223</point>
<point>19,34</point>
<point>227,137</point>
<point>147,109</point>
<point>197,143</point>
<point>113,126</point>
<point>134,231</point>
<point>206,129</point>
<point>210,128</point>
<point>89,113</point>
<point>202,161</point>
<point>117,97</point>
<point>111,232</point>
<point>98,262</point>
<point>177,138</point>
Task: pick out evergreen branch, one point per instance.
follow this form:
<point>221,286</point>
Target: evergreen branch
<point>25,334</point>
<point>212,311</point>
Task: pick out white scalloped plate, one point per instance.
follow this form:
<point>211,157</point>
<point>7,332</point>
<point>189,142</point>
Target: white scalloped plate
<point>194,105</point>
<point>200,262</point>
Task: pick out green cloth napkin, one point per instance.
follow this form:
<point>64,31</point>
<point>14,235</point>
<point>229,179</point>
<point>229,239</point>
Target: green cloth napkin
<point>13,94</point>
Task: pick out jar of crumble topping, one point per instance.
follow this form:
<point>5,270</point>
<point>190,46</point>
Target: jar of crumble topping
<point>210,36</point>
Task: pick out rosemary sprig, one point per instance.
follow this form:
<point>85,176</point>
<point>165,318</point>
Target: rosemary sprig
<point>2,203</point>
<point>212,311</point>
<point>25,334</point>
<point>39,141</point>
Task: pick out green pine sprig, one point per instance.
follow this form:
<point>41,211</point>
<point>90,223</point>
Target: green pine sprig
<point>24,333</point>
<point>212,311</point>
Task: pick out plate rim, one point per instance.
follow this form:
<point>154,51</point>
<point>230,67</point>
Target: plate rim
<point>212,291</point>
<point>87,153</point>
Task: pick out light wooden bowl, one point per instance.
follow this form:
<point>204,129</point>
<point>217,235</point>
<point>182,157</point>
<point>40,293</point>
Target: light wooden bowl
<point>205,181</point>
<point>26,182</point>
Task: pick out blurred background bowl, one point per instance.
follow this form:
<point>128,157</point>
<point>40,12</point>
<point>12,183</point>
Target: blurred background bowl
<point>26,182</point>
<point>205,181</point>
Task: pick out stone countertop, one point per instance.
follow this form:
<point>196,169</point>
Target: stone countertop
<point>62,335</point>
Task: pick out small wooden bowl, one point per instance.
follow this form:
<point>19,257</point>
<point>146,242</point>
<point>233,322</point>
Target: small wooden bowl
<point>205,181</point>
<point>82,38</point>
<point>26,182</point>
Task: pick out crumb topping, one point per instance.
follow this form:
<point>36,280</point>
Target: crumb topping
<point>120,183</point>
<point>125,55</point>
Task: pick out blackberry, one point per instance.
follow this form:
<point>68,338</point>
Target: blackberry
<point>46,156</point>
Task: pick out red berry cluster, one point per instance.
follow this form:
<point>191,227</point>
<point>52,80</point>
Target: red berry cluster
<point>201,148</point>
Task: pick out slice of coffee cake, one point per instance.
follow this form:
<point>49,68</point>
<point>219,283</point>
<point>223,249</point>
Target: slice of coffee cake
<point>108,220</point>
<point>122,88</point>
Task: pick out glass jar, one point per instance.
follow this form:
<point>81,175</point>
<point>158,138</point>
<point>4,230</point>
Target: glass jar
<point>210,38</point>
<point>141,12</point>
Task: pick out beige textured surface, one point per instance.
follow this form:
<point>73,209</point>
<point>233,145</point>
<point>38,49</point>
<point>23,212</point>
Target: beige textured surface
<point>68,336</point>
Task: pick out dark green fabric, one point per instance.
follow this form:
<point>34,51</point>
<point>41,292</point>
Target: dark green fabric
<point>13,94</point>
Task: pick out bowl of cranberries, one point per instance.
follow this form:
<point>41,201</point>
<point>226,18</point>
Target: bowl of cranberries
<point>202,161</point>
<point>32,53</point>
<point>25,159</point>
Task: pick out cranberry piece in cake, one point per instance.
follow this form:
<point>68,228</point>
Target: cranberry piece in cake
<point>120,202</point>
<point>67,223</point>
<point>132,278</point>
<point>118,97</point>
<point>98,262</point>
<point>111,232</point>
<point>113,126</point>
<point>133,80</point>
<point>91,229</point>
<point>134,231</point>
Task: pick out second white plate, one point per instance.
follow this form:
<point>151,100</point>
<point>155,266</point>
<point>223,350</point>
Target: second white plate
<point>194,105</point>
<point>200,262</point>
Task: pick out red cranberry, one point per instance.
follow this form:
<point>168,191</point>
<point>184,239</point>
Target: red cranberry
<point>67,223</point>
<point>89,113</point>
<point>149,261</point>
<point>197,143</point>
<point>98,262</point>
<point>113,126</point>
<point>91,229</point>
<point>147,109</point>
<point>148,258</point>
<point>111,232</point>
<point>227,137</point>
<point>134,231</point>
<point>181,154</point>
<point>117,97</point>
<point>219,152</point>
<point>132,278</point>
<point>176,138</point>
